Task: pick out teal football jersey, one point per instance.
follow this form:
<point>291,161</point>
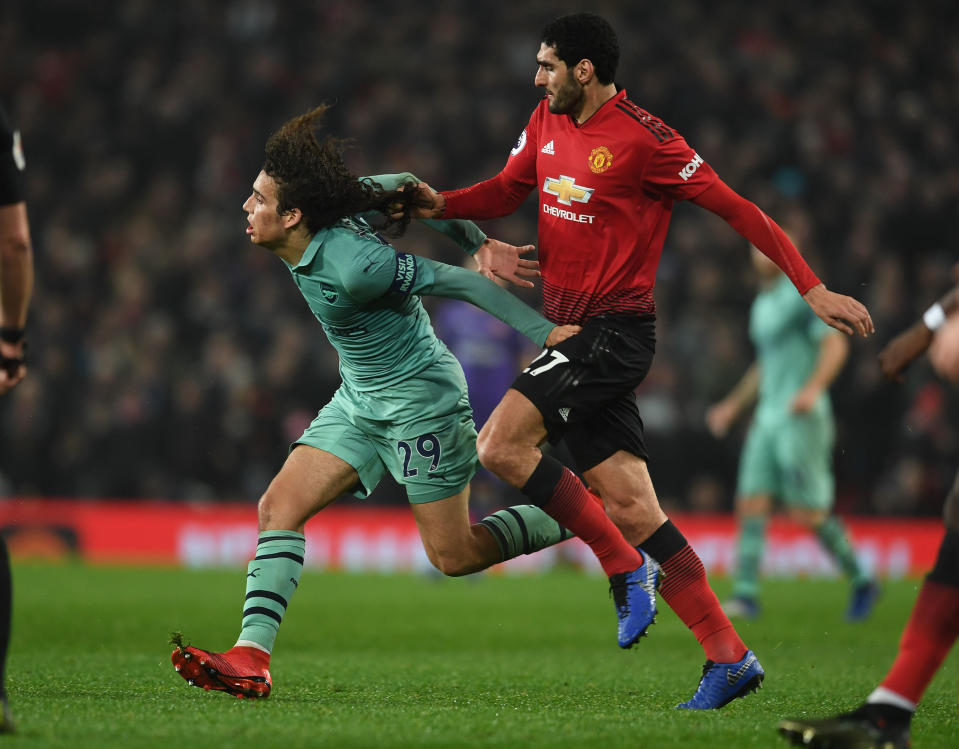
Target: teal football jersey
<point>787,335</point>
<point>366,295</point>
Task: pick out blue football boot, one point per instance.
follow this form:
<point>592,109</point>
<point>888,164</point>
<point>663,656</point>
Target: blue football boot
<point>863,600</point>
<point>724,682</point>
<point>634,594</point>
<point>740,607</point>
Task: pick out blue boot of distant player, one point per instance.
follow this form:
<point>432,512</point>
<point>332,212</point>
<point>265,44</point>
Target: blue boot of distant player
<point>741,607</point>
<point>634,594</point>
<point>863,601</point>
<point>724,682</point>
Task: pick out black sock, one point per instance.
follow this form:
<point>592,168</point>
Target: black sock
<point>666,541</point>
<point>541,484</point>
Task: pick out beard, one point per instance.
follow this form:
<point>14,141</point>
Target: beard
<point>568,98</point>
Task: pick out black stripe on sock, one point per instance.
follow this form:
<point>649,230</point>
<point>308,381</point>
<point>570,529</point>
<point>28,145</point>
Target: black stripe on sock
<point>666,541</point>
<point>541,484</point>
<point>497,535</point>
<point>260,610</point>
<point>280,538</point>
<point>267,594</point>
<point>281,555</point>
<point>522,527</point>
<point>564,532</point>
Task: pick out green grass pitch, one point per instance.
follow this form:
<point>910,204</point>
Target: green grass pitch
<point>405,661</point>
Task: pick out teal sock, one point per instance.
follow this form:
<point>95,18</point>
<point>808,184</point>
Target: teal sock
<point>832,534</point>
<point>523,529</point>
<point>749,553</point>
<point>272,577</point>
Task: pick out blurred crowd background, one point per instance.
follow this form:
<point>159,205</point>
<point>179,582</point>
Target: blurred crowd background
<point>171,359</point>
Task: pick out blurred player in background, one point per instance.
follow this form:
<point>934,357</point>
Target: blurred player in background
<point>787,455</point>
<point>16,287</point>
<point>402,406</point>
<point>607,174</point>
<point>883,720</point>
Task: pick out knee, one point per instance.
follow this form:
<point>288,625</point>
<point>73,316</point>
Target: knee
<point>273,514</point>
<point>493,454</point>
<point>811,520</point>
<point>753,507</point>
<point>450,564</point>
<point>266,510</point>
<point>635,516</point>
<point>620,505</point>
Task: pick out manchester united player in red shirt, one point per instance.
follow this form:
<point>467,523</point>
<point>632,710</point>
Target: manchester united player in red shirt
<point>607,174</point>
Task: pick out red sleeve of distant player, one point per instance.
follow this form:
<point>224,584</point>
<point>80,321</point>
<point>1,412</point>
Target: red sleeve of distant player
<point>764,233</point>
<point>502,194</point>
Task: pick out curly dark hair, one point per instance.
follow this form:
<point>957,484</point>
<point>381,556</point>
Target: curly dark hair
<point>584,36</point>
<point>310,175</point>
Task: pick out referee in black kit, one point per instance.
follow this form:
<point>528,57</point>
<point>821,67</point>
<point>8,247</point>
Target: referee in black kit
<point>16,287</point>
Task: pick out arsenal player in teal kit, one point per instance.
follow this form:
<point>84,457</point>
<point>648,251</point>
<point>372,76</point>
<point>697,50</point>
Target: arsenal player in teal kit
<point>402,407</point>
<point>607,174</point>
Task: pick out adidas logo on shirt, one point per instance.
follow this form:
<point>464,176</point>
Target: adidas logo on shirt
<point>548,149</point>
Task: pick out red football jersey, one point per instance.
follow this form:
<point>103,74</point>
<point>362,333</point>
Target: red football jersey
<point>606,193</point>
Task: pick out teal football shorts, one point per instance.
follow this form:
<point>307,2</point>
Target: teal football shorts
<point>791,460</point>
<point>420,430</point>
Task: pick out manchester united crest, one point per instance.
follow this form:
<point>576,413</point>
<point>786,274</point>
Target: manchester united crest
<point>600,159</point>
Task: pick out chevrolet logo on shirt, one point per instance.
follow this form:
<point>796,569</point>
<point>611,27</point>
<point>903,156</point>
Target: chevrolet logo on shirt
<point>566,190</point>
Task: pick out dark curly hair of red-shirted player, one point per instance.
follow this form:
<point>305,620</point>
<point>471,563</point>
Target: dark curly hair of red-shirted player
<point>584,36</point>
<point>310,175</point>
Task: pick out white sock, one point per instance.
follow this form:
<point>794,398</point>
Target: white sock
<point>251,644</point>
<point>884,696</point>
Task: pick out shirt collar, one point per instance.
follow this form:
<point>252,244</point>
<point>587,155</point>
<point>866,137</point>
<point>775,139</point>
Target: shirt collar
<point>604,107</point>
<point>310,252</point>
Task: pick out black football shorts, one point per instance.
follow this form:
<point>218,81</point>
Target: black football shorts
<point>584,388</point>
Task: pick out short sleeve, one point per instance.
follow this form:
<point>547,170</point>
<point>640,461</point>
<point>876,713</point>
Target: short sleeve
<point>675,170</point>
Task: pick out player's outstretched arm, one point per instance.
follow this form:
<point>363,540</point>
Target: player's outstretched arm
<point>909,345</point>
<point>560,333</point>
<point>833,352</point>
<point>836,310</point>
<point>721,416</point>
<point>495,259</point>
<point>944,351</point>
<point>498,259</point>
<point>903,350</point>
<point>440,279</point>
<point>463,232</point>
<point>428,203</point>
<point>840,311</point>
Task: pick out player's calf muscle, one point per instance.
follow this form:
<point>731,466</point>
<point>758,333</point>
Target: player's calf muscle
<point>476,552</point>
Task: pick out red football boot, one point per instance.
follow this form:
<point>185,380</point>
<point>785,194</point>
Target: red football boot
<point>240,671</point>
